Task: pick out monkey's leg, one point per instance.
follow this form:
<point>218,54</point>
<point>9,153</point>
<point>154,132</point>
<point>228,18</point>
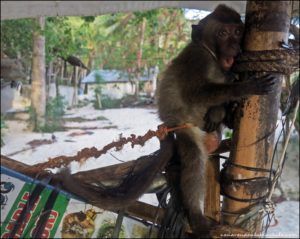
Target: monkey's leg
<point>193,158</point>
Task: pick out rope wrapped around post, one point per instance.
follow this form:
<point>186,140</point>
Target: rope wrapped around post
<point>284,61</point>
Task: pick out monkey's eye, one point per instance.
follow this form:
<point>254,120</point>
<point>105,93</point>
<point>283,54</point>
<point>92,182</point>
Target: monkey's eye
<point>222,33</point>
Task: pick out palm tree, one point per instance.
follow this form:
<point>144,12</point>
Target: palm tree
<point>38,83</point>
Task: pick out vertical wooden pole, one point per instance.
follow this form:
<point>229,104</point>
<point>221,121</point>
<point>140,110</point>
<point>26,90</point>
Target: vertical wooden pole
<point>267,24</point>
<point>38,76</point>
<point>75,87</point>
<point>212,195</point>
<point>139,57</point>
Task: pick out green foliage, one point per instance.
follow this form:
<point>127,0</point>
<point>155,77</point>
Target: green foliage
<point>109,41</point>
<point>98,91</point>
<point>166,32</point>
<point>88,19</point>
<point>101,118</point>
<point>32,121</point>
<point>55,109</point>
<point>2,126</point>
<point>107,228</point>
<point>228,134</point>
<point>82,103</point>
<point>141,85</point>
<point>16,37</point>
<point>60,39</point>
<point>103,102</point>
<point>99,81</point>
<point>108,103</point>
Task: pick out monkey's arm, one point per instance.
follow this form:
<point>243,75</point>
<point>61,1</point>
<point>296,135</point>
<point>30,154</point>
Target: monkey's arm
<point>218,93</point>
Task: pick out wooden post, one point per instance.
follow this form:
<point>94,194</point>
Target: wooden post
<point>75,87</point>
<point>38,76</point>
<point>212,195</point>
<point>267,24</point>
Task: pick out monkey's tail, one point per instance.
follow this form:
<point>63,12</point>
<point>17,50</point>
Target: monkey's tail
<point>129,190</point>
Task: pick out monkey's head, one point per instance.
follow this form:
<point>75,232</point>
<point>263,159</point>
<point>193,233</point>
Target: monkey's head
<point>222,32</point>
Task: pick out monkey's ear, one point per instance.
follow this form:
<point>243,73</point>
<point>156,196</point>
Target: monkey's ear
<point>196,33</point>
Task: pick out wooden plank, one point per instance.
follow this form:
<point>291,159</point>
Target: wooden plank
<point>212,195</point>
<point>146,212</point>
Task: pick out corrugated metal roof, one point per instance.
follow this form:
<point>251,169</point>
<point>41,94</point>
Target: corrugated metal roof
<point>27,9</point>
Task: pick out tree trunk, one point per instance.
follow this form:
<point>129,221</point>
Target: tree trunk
<point>38,84</point>
<point>75,92</point>
<point>267,23</point>
<point>98,99</point>
<point>73,75</point>
<point>79,78</point>
<point>139,57</point>
<point>62,69</point>
<point>49,79</point>
<point>86,89</point>
<point>65,74</point>
<point>154,80</point>
<point>56,87</point>
<point>165,57</point>
<point>91,58</point>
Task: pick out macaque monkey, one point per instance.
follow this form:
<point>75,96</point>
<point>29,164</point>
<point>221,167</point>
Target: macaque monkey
<point>195,89</point>
<point>196,84</point>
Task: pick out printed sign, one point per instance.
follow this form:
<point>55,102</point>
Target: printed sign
<point>28,209</point>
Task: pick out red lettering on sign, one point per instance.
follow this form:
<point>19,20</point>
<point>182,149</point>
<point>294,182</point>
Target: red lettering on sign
<point>52,219</point>
<point>49,224</point>
<point>45,234</point>
<point>25,196</point>
<point>16,215</point>
<point>17,212</point>
<point>24,223</point>
<point>5,235</point>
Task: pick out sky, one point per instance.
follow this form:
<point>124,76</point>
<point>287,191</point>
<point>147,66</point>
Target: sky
<point>195,14</point>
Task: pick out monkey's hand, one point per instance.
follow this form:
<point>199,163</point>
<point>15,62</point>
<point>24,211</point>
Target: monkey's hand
<point>260,86</point>
<point>213,118</point>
